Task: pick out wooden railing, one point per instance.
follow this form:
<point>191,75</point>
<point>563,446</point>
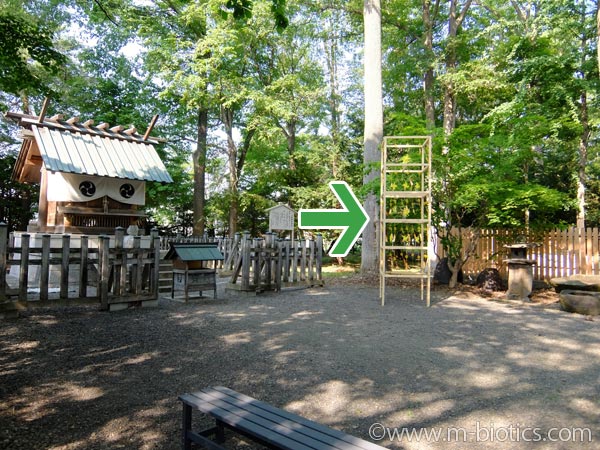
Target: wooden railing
<point>111,270</point>
<point>557,253</point>
<point>269,263</point>
<point>257,264</point>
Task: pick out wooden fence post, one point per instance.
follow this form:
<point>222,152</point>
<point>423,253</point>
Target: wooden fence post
<point>104,264</point>
<point>311,261</point>
<point>231,253</point>
<point>245,256</point>
<point>319,258</point>
<point>64,267</point>
<point>155,272</point>
<point>45,267</point>
<point>24,269</point>
<point>120,267</point>
<point>3,257</point>
<point>83,266</point>
<point>256,255</point>
<point>294,256</point>
<point>139,256</point>
<point>302,260</point>
<point>284,258</point>
<point>269,260</point>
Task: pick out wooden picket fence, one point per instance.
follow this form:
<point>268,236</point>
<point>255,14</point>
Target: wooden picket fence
<point>115,271</point>
<point>269,263</point>
<point>558,253</point>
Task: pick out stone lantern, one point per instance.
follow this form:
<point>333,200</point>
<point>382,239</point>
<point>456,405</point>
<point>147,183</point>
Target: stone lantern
<point>520,272</point>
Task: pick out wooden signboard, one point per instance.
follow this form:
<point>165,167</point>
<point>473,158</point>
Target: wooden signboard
<point>281,217</point>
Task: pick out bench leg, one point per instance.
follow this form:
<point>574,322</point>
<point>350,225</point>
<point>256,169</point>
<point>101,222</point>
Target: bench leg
<point>219,432</point>
<point>186,443</point>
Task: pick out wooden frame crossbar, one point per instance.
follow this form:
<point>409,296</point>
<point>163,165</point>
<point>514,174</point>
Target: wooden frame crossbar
<point>405,212</point>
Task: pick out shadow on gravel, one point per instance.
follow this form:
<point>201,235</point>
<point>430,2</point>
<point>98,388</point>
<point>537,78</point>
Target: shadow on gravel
<point>82,379</point>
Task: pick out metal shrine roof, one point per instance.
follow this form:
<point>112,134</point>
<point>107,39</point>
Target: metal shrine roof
<point>65,151</point>
<point>67,146</point>
<point>194,252</point>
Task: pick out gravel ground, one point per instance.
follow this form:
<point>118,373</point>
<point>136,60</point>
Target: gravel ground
<point>496,374</point>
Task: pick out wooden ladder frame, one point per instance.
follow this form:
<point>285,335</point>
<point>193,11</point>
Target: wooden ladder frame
<point>421,192</point>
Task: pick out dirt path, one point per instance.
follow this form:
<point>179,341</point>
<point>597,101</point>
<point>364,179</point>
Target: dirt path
<point>469,368</point>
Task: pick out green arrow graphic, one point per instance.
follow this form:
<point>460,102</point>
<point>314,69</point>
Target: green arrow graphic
<point>352,219</point>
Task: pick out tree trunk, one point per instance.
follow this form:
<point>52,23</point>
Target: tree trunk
<point>199,161</point>
<point>449,101</point>
<point>373,128</point>
<point>455,21</point>
<point>428,79</point>
<point>585,133</point>
<point>25,103</point>
<point>232,163</point>
<point>454,271</point>
<point>598,35</point>
<point>331,49</point>
<point>583,158</point>
<point>291,143</point>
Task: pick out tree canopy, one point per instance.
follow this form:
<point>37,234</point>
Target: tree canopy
<point>261,101</point>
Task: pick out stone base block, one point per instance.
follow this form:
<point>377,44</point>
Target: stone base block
<point>581,302</point>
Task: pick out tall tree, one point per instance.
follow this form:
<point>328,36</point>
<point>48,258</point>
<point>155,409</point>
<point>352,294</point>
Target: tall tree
<point>373,128</point>
<point>456,17</point>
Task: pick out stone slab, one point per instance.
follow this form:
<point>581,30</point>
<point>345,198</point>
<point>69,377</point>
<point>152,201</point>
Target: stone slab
<point>577,282</point>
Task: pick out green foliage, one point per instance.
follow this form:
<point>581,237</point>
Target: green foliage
<point>17,201</point>
<point>28,58</point>
<point>289,75</point>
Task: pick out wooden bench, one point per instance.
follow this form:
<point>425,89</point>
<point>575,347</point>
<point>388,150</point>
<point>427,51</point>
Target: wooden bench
<point>260,422</point>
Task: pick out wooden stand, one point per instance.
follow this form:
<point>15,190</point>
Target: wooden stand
<point>190,280</point>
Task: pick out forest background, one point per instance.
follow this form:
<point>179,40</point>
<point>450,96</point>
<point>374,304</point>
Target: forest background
<point>262,101</point>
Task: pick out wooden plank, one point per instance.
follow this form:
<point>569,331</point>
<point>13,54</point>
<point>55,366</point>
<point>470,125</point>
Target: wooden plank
<point>588,252</point>
<point>3,257</point>
<point>256,255</point>
<point>245,257</point>
<point>240,399</point>
<point>553,254</point>
<point>236,269</point>
<point>284,249</point>
<point>311,260</point>
<point>267,427</point>
<point>64,267</point>
<point>139,265</point>
<point>545,254</point>
<point>24,267</point>
<point>269,258</point>
<point>570,255</point>
<point>302,260</point>
<point>120,270</point>
<point>319,258</point>
<point>560,254</point>
<point>150,127</point>
<point>83,265</point>
<point>582,245</point>
<point>596,251</point>
<point>237,422</point>
<point>155,273</point>
<point>234,251</point>
<point>294,256</point>
<point>45,105</point>
<point>45,267</point>
<point>104,259</point>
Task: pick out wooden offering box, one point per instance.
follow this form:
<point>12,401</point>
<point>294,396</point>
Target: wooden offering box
<point>191,267</point>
